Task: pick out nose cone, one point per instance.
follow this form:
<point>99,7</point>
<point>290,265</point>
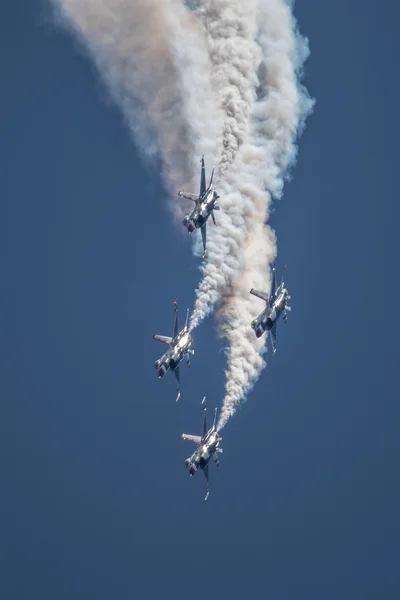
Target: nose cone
<point>190,227</point>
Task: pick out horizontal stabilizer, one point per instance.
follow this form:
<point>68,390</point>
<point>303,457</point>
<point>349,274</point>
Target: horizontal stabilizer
<point>191,438</point>
<point>163,338</point>
<point>188,196</point>
<point>259,294</point>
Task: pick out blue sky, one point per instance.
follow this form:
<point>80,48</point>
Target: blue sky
<point>96,502</point>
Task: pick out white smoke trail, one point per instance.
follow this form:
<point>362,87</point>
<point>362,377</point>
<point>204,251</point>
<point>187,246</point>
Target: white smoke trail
<point>145,52</point>
<point>221,80</point>
<point>277,119</point>
<point>157,59</point>
<point>264,161</point>
<point>231,27</point>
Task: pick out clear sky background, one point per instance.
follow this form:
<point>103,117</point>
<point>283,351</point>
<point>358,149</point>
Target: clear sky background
<point>95,500</point>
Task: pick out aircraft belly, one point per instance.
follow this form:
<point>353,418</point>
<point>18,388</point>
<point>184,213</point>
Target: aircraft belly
<point>272,317</point>
<point>174,362</point>
<point>206,454</point>
<point>202,462</point>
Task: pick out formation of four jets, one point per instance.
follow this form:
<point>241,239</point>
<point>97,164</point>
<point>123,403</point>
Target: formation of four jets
<point>179,345</point>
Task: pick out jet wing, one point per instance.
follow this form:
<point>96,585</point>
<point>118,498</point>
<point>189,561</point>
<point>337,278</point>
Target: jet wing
<point>163,338</point>
<point>204,236</point>
<point>188,196</point>
<point>259,294</point>
<point>273,337</point>
<point>191,438</point>
<point>202,178</point>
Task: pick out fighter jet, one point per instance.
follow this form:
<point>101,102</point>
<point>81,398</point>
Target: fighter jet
<point>205,204</point>
<point>179,348</point>
<point>276,305</point>
<point>207,447</point>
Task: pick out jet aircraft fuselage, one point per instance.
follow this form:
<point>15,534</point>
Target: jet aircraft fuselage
<point>276,305</point>
<point>179,347</point>
<point>201,457</point>
<point>205,205</point>
<point>199,215</point>
<point>270,315</point>
<point>207,448</point>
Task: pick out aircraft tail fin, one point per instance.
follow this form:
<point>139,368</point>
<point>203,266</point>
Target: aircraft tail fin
<point>283,274</point>
<point>187,319</point>
<point>215,418</point>
<point>202,178</point>
<point>205,429</point>
<point>211,178</point>
<point>176,319</point>
<point>259,294</point>
<point>213,216</point>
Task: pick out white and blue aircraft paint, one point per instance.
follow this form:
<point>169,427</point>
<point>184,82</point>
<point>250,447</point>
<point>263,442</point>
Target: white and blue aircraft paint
<point>205,204</point>
<point>207,447</point>
<point>276,306</point>
<point>179,348</point>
